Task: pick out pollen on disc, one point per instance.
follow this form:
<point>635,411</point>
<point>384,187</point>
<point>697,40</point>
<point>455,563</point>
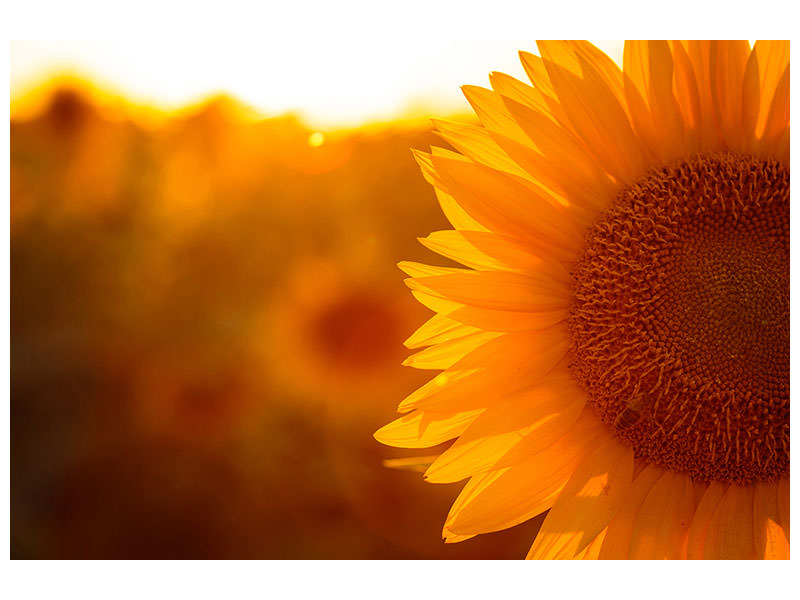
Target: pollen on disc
<point>680,322</point>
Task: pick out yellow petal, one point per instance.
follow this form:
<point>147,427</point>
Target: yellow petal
<point>509,205</point>
<point>783,504</point>
<point>490,319</point>
<point>780,147</point>
<point>492,113</point>
<point>649,91</point>
<point>452,538</point>
<point>602,123</point>
<point>492,252</point>
<point>542,413</point>
<point>730,529</point>
<point>445,354</point>
<point>537,73</point>
<point>477,144</point>
<point>438,329</point>
<point>518,147</point>
<point>415,269</point>
<point>698,530</point>
<point>773,59</point>
<point>637,85</point>
<point>426,165</point>
<point>663,105</point>
<point>588,502</point>
<point>771,541</point>
<point>507,86</point>
<point>505,497</point>
<point>617,544</point>
<point>496,290</point>
<point>751,101</point>
<point>456,215</point>
<point>592,551</point>
<point>519,351</point>
<point>662,524</point>
<point>686,94</point>
<point>559,382</point>
<point>500,320</point>
<point>418,464</point>
<point>709,133</point>
<point>778,118</point>
<point>424,429</point>
<point>500,366</point>
<point>442,306</point>
<point>727,60</point>
<point>562,162</point>
<point>445,386</point>
<point>607,70</point>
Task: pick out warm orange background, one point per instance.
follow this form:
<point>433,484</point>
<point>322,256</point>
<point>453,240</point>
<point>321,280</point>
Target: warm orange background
<point>206,329</point>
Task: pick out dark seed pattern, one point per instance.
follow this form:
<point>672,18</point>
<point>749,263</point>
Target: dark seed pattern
<point>680,324</point>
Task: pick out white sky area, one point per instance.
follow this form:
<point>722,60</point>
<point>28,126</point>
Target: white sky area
<point>332,83</point>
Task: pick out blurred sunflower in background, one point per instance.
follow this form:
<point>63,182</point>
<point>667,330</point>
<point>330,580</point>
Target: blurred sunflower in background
<point>617,349</point>
<point>195,298</point>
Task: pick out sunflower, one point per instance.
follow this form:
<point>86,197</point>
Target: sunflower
<point>616,351</point>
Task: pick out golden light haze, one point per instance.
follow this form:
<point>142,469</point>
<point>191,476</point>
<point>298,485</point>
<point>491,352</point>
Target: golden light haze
<point>346,84</point>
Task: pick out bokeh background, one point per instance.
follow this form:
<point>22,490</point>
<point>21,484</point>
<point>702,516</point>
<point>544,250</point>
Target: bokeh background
<point>206,316</point>
<point>206,329</point>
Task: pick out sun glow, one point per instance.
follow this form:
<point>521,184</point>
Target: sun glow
<point>316,139</point>
<point>328,85</point>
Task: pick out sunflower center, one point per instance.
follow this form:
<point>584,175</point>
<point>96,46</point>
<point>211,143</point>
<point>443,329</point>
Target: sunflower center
<point>680,323</point>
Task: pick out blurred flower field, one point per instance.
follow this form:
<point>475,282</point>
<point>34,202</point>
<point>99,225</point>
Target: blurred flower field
<point>206,328</point>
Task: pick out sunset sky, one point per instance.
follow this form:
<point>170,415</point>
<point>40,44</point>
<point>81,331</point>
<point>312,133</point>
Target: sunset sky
<point>330,85</point>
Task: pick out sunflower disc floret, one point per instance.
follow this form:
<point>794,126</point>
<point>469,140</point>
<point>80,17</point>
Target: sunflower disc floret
<point>615,350</point>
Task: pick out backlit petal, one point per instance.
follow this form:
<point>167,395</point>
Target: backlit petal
<point>588,502</point>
